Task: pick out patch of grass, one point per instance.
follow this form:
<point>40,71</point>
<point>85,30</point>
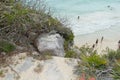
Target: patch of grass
<point>91,58</point>
<point>6,46</point>
<point>91,63</point>
<point>1,73</point>
<point>85,49</point>
<point>95,61</point>
<point>38,68</point>
<point>44,56</point>
<point>99,66</point>
<point>47,55</point>
<point>116,71</point>
<point>112,55</point>
<point>71,54</point>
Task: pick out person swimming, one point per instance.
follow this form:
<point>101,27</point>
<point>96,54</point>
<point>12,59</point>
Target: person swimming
<point>109,7</point>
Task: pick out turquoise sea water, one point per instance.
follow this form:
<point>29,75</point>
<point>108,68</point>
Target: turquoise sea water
<point>95,15</point>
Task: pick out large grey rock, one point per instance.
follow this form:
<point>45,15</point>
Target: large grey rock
<point>51,43</point>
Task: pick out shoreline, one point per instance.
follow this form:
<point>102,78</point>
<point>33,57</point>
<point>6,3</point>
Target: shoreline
<point>111,38</point>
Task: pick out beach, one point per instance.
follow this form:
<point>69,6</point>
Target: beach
<point>97,18</point>
<point>111,38</point>
<point>60,40</point>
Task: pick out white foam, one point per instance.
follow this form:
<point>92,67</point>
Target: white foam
<point>94,15</point>
<point>93,22</point>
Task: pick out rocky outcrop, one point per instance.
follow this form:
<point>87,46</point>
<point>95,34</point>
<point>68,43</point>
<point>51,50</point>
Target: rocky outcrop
<point>50,43</point>
<point>28,68</point>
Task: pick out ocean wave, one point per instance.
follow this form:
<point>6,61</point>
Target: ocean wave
<point>93,22</point>
<point>95,15</point>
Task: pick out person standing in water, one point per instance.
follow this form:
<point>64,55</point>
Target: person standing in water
<point>78,17</point>
<point>102,39</point>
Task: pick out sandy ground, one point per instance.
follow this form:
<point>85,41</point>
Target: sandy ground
<point>111,38</point>
<point>57,68</point>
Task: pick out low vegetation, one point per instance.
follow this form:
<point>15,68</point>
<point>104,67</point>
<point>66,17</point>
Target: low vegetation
<point>1,73</point>
<point>100,67</point>
<point>21,21</point>
<point>116,71</point>
<point>38,68</point>
<point>5,46</point>
<point>71,54</point>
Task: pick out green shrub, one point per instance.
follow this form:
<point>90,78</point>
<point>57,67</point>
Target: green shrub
<point>112,55</point>
<point>95,61</point>
<point>71,54</point>
<point>85,49</point>
<point>1,73</point>
<point>91,62</point>
<point>19,18</point>
<point>17,13</point>
<point>116,71</point>
<point>118,54</point>
<point>66,44</point>
<point>6,46</point>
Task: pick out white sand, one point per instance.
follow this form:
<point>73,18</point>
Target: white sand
<point>111,38</point>
<point>57,68</point>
